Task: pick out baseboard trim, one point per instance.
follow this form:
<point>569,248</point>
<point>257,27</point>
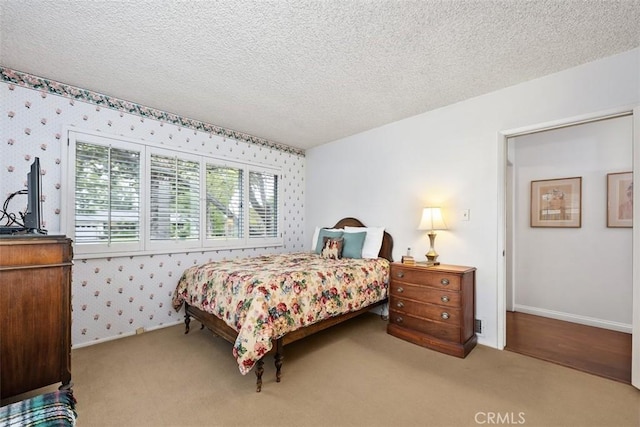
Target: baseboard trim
<point>127,334</point>
<point>568,317</point>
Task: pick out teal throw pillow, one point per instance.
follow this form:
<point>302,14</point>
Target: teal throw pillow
<point>353,243</point>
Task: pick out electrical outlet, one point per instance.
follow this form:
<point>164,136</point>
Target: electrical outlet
<point>466,214</point>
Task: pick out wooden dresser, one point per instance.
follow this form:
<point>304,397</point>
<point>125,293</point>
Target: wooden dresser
<point>433,307</point>
<point>35,312</point>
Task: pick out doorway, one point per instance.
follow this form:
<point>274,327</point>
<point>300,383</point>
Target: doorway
<point>572,294</point>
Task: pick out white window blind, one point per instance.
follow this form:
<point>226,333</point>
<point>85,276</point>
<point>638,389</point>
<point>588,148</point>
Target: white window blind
<point>107,194</point>
<point>174,198</point>
<point>263,209</point>
<point>131,197</point>
<point>224,195</point>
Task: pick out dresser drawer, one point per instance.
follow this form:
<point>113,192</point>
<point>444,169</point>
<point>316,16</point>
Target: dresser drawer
<point>449,315</point>
<point>426,277</point>
<point>443,297</point>
<point>436,329</point>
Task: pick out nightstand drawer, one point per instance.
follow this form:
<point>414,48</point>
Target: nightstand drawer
<point>448,315</point>
<point>443,297</point>
<point>426,277</point>
<point>435,329</point>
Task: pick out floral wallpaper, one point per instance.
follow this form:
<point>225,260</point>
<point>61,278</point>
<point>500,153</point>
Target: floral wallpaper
<point>113,297</point>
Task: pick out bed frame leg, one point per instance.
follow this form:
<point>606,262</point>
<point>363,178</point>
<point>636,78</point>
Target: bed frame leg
<point>259,372</point>
<point>187,320</point>
<point>278,359</point>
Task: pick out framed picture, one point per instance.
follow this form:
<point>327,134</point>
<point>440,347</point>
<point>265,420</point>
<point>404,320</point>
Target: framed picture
<point>556,202</point>
<point>620,199</point>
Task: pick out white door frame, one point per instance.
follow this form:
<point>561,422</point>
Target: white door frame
<point>635,339</point>
<point>501,297</point>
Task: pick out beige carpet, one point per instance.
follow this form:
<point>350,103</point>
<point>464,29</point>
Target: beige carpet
<point>352,375</point>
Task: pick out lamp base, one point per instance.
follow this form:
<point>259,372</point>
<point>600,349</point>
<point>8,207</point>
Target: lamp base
<point>432,255</point>
<point>428,263</point>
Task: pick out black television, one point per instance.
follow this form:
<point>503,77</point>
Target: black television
<point>33,215</point>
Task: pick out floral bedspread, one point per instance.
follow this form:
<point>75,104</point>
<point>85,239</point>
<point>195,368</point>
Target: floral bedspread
<point>265,297</point>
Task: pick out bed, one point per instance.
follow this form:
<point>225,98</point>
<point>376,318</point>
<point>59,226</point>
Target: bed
<point>261,304</point>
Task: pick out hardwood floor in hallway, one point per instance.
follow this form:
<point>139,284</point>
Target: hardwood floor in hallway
<point>594,350</point>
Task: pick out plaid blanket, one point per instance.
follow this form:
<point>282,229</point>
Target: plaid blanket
<point>46,410</point>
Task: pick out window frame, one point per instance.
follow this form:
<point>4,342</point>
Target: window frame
<point>237,242</point>
<point>246,241</point>
<point>73,137</point>
<point>145,245</point>
<point>173,244</point>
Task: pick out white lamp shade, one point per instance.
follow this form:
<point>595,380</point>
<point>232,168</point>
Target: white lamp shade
<point>432,220</point>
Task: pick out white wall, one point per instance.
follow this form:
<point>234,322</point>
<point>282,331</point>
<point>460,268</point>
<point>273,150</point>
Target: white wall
<point>577,274</point>
<point>450,157</point>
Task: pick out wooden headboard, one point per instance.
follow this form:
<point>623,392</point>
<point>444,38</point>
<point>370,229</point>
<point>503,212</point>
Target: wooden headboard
<point>386,250</point>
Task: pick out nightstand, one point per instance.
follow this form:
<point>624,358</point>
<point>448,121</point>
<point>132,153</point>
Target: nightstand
<point>434,306</point>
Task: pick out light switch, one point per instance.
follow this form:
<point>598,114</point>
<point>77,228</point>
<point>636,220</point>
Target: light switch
<point>466,214</point>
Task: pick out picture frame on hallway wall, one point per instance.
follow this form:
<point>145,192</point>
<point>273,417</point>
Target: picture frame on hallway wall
<point>620,199</point>
<point>556,202</point>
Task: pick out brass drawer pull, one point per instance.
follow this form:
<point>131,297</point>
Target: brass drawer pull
<point>400,274</point>
<point>444,315</point>
<point>399,319</point>
<point>444,298</point>
<point>400,304</point>
<point>400,289</point>
<point>444,282</point>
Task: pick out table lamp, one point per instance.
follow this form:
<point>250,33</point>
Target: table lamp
<point>432,220</point>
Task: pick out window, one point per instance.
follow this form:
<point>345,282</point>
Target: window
<point>107,196</point>
<point>130,196</point>
<point>224,198</point>
<point>263,210</point>
<point>241,205</point>
<point>174,198</point>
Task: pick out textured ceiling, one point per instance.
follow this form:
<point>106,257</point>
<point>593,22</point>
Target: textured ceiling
<point>303,73</point>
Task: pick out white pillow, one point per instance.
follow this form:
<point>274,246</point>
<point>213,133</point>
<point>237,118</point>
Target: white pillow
<point>373,241</point>
<point>314,239</point>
